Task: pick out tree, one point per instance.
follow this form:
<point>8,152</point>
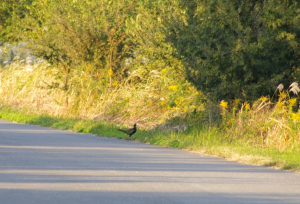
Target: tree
<point>73,34</point>
<point>11,11</point>
<point>238,49</point>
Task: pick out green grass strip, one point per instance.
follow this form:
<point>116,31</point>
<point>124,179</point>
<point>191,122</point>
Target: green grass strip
<point>201,139</point>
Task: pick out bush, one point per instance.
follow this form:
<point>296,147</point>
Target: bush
<point>238,49</point>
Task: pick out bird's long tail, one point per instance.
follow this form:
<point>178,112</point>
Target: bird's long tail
<point>122,130</point>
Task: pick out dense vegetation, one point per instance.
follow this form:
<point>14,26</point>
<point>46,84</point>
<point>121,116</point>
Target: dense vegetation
<point>238,49</point>
<point>230,49</point>
<point>176,65</point>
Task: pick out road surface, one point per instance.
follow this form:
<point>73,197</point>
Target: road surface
<point>48,166</point>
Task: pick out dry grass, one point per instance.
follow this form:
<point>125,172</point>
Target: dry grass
<point>154,100</point>
<point>149,102</point>
<point>265,124</point>
<point>262,133</point>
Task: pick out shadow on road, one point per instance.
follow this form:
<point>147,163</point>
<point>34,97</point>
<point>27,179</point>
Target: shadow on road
<point>41,164</point>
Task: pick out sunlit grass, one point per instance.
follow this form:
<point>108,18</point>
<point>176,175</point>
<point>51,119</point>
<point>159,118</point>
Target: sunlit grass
<point>265,124</point>
<point>167,112</point>
<point>148,102</point>
<point>196,138</point>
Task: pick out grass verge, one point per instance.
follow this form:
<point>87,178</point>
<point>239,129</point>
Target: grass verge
<point>201,139</point>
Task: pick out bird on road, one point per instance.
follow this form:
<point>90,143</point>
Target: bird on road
<point>130,131</point>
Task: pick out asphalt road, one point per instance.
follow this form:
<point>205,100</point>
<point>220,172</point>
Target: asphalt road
<point>48,166</point>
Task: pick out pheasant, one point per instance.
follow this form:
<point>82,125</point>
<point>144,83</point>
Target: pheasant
<point>129,132</point>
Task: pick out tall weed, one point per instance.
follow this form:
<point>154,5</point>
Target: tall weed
<point>147,97</point>
<point>265,124</point>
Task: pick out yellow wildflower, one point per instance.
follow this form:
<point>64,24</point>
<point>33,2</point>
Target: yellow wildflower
<point>110,72</point>
<point>224,104</point>
<point>247,106</point>
<point>164,70</point>
<point>89,68</point>
<point>173,88</point>
<point>263,99</point>
<point>292,101</point>
<point>295,117</point>
<point>282,95</point>
<point>280,104</point>
<point>115,83</point>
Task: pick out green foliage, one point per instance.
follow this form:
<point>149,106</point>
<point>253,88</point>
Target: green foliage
<point>228,49</point>
<point>11,14</point>
<point>237,49</point>
<point>74,34</point>
<point>107,41</point>
<point>146,30</point>
<point>107,50</point>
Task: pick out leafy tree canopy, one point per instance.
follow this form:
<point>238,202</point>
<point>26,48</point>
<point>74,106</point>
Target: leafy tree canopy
<point>11,11</point>
<point>241,49</point>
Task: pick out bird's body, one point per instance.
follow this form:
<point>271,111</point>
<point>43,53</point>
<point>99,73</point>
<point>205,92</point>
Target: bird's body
<point>130,131</point>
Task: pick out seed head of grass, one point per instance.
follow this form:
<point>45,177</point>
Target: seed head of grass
<point>294,88</point>
<point>280,87</point>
